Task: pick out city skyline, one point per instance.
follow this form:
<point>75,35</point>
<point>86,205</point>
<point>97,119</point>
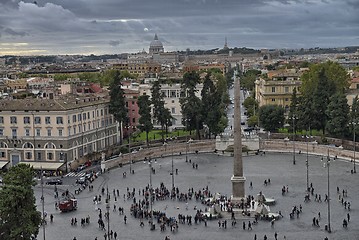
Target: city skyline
<point>50,27</point>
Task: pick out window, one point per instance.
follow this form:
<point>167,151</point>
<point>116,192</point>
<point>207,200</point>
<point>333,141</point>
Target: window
<point>1,120</point>
<point>50,156</point>
<point>47,120</point>
<point>1,132</point>
<point>134,120</point>
<point>74,129</point>
<point>273,99</point>
<point>2,154</point>
<point>69,131</point>
<point>79,117</point>
<point>173,110</point>
<point>173,101</point>
<point>84,127</point>
<point>93,114</point>
<point>38,155</point>
<point>73,118</point>
<point>28,155</point>
<point>59,120</point>
<point>49,132</point>
<point>88,115</point>
<point>101,112</point>
<point>286,89</point>
<point>80,128</point>
<point>26,120</point>
<point>37,120</point>
<point>286,99</point>
<point>13,120</point>
<point>27,132</point>
<point>38,132</point>
<point>89,126</point>
<point>14,132</point>
<point>273,89</point>
<point>84,116</point>
<point>60,132</point>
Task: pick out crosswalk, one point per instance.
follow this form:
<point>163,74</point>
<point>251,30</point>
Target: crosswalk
<point>74,174</point>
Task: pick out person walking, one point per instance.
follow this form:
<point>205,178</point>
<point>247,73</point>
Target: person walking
<point>276,236</point>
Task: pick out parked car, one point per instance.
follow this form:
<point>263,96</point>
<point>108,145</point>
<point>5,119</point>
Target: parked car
<point>54,181</point>
<point>81,167</point>
<point>81,180</point>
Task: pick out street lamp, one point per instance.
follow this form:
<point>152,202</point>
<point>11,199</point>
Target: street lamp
<point>108,212</point>
<point>307,159</point>
<point>293,139</point>
<point>354,143</point>
<point>173,176</point>
<point>151,211</point>
<point>63,157</point>
<point>327,165</point>
<point>43,204</point>
<point>129,130</point>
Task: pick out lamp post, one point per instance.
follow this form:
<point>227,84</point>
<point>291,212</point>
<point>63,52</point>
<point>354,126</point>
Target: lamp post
<point>173,176</point>
<point>327,165</point>
<point>293,140</point>
<point>151,211</point>
<point>43,204</point>
<point>307,163</point>
<point>354,143</point>
<point>108,212</point>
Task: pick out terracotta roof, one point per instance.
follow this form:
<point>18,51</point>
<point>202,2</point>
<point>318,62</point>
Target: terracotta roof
<point>61,104</point>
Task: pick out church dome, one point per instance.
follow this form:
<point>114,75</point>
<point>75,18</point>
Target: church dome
<point>156,45</point>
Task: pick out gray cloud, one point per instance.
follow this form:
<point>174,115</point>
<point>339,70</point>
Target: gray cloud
<point>14,33</point>
<point>114,43</point>
<point>67,26</point>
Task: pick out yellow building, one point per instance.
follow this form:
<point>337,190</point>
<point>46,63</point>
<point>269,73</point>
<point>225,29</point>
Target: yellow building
<point>277,89</point>
<point>52,132</point>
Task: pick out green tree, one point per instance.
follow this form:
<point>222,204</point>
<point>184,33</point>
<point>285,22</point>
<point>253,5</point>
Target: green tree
<point>251,105</point>
<point>160,112</point>
<point>117,106</point>
<point>338,116</point>
<point>248,79</point>
<point>335,74</point>
<point>190,103</point>
<point>212,108</point>
<point>19,216</point>
<point>252,120</point>
<point>271,117</point>
<point>293,109</point>
<point>354,114</point>
<point>321,97</point>
<point>145,119</point>
<point>305,112</point>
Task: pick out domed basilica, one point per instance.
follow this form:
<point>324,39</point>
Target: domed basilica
<point>156,46</point>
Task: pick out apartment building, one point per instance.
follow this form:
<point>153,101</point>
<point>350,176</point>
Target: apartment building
<point>52,133</point>
<point>278,88</point>
<point>172,94</point>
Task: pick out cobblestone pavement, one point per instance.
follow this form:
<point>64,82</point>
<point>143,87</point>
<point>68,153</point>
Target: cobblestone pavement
<point>215,171</point>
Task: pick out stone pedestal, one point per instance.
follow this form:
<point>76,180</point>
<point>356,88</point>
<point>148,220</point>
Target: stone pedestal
<point>237,189</point>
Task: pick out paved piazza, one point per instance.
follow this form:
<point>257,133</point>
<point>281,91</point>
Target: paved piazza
<point>215,171</point>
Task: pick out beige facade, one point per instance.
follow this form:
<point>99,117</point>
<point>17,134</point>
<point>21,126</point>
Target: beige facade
<point>55,130</point>
<point>277,91</point>
<point>172,94</point>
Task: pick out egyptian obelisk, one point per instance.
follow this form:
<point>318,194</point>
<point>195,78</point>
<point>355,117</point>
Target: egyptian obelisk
<point>237,179</point>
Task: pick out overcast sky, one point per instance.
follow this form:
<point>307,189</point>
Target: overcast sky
<point>117,26</point>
